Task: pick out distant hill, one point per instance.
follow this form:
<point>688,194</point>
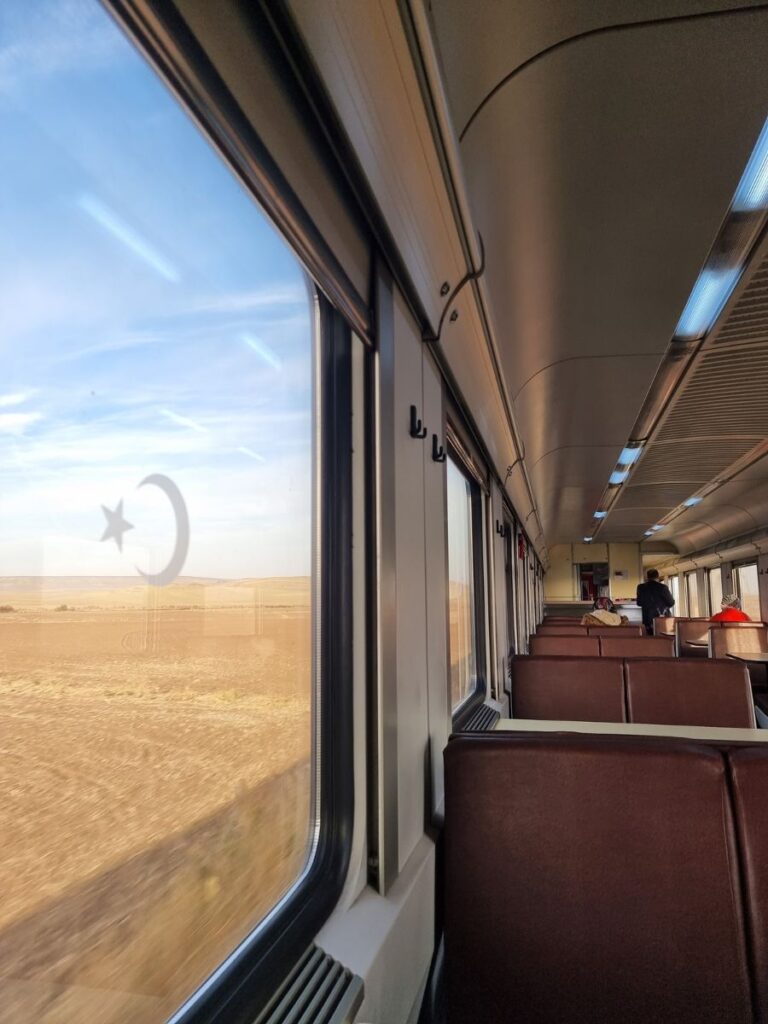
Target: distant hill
<point>24,584</point>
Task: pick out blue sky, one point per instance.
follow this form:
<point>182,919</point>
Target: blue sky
<point>151,321</point>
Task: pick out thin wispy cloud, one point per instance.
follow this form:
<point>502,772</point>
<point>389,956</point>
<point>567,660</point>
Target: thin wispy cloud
<point>45,39</point>
<point>251,453</point>
<point>262,349</point>
<point>257,299</point>
<point>184,421</point>
<point>16,398</point>
<point>17,422</point>
<point>129,237</point>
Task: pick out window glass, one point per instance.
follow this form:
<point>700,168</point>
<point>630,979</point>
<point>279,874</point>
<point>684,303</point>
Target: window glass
<point>522,593</point>
<point>156,459</point>
<point>461,586</point>
<point>715,578</point>
<point>692,587</point>
<point>749,591</point>
<point>674,587</point>
<point>511,585</point>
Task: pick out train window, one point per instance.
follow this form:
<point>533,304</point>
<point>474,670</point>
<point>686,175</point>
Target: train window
<point>462,618</point>
<point>511,585</point>
<point>158,520</point>
<point>715,587</point>
<point>674,587</point>
<point>692,593</point>
<point>524,630</point>
<point>749,590</point>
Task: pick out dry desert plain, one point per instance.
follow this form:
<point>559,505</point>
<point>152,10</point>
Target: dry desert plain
<point>154,785</point>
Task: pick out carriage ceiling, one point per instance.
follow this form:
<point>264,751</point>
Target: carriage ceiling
<point>600,155</point>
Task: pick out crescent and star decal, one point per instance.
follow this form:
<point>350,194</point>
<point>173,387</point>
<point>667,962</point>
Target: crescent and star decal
<point>117,525</point>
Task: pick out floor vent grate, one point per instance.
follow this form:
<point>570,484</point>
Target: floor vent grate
<point>319,990</point>
<point>483,720</point>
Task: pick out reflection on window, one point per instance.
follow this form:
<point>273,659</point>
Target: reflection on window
<point>155,537</point>
<point>461,588</point>
<point>749,591</point>
<point>715,578</point>
<point>692,586</point>
<point>674,588</point>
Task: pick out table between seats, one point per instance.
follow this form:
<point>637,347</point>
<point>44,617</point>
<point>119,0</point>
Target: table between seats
<point>756,657</point>
<point>693,732</point>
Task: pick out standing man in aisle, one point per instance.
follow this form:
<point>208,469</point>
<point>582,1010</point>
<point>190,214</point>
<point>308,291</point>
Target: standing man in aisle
<point>654,598</point>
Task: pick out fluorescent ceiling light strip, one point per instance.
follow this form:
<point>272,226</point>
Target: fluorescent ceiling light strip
<point>690,502</point>
<point>752,192</point>
<point>600,515</point>
<point>618,477</point>
<point>709,295</point>
<point>630,455</point>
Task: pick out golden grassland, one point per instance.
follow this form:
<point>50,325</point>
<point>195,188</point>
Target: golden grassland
<point>155,786</point>
<point>460,639</point>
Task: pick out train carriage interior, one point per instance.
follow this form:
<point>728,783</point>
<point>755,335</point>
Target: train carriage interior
<point>384,511</point>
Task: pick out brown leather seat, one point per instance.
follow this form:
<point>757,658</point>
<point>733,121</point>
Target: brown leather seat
<point>664,625</point>
<point>637,647</point>
<point>569,689</point>
<point>690,631</point>
<point>562,630</point>
<point>746,637</point>
<point>591,879</point>
<point>630,630</point>
<point>570,646</point>
<point>749,773</point>
<point>674,691</point>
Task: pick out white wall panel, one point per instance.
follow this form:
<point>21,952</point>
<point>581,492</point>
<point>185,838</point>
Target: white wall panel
<point>435,550</point>
<point>411,617</point>
<point>499,619</point>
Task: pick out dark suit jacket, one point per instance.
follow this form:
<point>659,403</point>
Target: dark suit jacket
<point>655,599</point>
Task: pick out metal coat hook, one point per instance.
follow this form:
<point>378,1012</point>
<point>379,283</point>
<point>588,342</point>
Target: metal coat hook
<point>418,430</point>
<point>438,452</point>
<point>501,529</point>
<point>471,275</point>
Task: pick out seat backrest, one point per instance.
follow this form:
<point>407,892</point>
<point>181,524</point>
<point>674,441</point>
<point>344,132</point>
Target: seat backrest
<point>690,631</point>
<point>570,646</point>
<point>664,624</point>
<point>724,640</point>
<point>562,631</point>
<point>591,878</point>
<point>633,630</point>
<point>675,691</point>
<point>749,774</point>
<point>568,689</point>
<point>637,646</point>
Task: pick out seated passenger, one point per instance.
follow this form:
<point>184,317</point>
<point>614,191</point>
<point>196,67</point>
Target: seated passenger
<point>731,612</point>
<point>604,614</point>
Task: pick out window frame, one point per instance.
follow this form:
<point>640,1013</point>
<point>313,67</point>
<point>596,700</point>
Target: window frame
<point>687,577</point>
<point>510,582</point>
<point>737,583</point>
<point>674,588</point>
<point>244,983</point>
<point>462,712</point>
<point>242,986</point>
<point>714,608</point>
